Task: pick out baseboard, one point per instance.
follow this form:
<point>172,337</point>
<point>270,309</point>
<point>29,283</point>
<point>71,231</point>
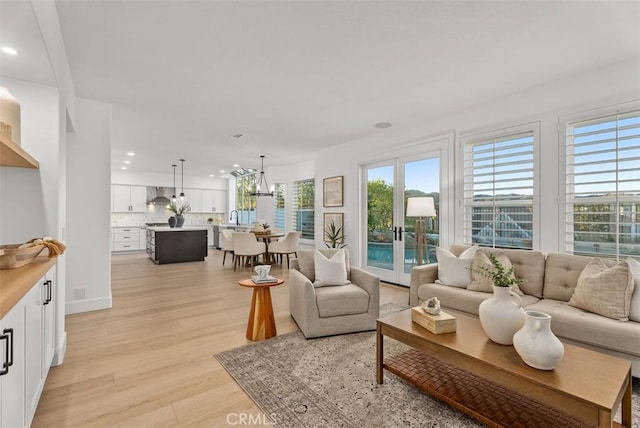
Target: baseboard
<point>87,305</point>
<point>60,351</point>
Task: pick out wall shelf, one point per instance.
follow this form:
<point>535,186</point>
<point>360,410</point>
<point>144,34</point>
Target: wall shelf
<point>12,154</point>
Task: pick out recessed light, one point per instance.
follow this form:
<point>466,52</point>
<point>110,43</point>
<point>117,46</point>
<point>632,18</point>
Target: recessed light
<point>130,154</point>
<point>235,165</point>
<point>127,162</point>
<point>9,50</point>
<point>123,167</point>
<point>382,125</point>
<point>222,171</point>
<point>211,175</point>
<point>238,135</point>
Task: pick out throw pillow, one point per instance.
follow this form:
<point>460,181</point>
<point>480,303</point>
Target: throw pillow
<point>634,309</point>
<point>452,270</point>
<point>603,290</point>
<point>330,271</point>
<point>479,282</point>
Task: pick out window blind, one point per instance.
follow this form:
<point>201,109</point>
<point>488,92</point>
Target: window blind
<point>603,185</point>
<point>303,205</point>
<point>279,206</point>
<point>498,190</point>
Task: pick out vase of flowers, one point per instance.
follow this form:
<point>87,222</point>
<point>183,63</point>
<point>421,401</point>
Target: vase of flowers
<point>178,210</point>
<point>502,315</point>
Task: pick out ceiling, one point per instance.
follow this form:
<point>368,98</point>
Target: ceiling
<point>298,76</point>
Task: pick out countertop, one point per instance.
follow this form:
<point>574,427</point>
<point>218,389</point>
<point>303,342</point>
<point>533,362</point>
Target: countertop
<point>177,229</point>
<point>16,283</point>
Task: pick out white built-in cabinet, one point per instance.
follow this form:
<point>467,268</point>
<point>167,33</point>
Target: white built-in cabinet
<point>129,198</point>
<point>128,238</point>
<point>27,348</point>
<point>206,200</point>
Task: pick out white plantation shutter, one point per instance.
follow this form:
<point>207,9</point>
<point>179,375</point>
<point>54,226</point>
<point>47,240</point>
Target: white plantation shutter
<point>499,188</point>
<point>603,185</point>
<point>303,205</point>
<point>279,206</point>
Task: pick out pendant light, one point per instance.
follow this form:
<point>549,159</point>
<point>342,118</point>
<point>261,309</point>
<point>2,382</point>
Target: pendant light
<point>173,198</point>
<point>182,195</point>
<point>262,183</point>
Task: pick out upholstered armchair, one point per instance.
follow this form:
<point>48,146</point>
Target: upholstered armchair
<point>332,309</point>
<point>227,244</point>
<point>286,246</point>
<point>246,248</point>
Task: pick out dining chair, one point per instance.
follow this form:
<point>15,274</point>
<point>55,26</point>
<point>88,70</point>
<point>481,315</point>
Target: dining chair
<point>286,246</point>
<point>245,245</point>
<point>227,244</point>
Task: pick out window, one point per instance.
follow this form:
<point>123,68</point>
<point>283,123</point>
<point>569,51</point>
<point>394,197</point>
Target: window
<point>603,185</point>
<point>245,203</point>
<point>304,207</point>
<point>499,188</point>
<point>279,206</point>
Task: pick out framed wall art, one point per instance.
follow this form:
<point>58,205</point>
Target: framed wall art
<point>332,191</point>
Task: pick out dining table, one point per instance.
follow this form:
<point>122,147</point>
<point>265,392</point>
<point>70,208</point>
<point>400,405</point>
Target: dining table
<point>266,238</point>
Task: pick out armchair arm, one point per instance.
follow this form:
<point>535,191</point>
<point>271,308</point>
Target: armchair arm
<point>424,274</point>
<point>368,282</point>
<point>302,297</point>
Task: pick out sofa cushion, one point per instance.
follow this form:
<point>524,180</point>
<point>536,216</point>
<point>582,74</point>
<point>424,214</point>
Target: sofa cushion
<point>586,327</point>
<point>306,262</point>
<point>634,309</point>
<point>341,300</point>
<point>562,272</point>
<point>479,280</point>
<point>604,290</point>
<point>455,270</point>
<point>459,298</point>
<point>330,270</point>
<point>528,264</point>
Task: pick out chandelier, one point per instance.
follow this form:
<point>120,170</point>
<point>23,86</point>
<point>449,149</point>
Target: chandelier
<point>262,187</point>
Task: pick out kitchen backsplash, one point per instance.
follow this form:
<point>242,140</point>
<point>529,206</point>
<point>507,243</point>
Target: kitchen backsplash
<point>140,219</point>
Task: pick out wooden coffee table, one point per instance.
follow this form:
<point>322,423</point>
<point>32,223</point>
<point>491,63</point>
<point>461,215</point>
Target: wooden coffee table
<point>262,323</point>
<point>463,368</point>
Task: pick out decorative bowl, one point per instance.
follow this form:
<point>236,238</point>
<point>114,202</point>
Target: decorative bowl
<point>12,257</point>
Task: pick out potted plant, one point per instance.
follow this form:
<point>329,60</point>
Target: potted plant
<point>498,274</point>
<point>334,236</point>
<point>210,220</point>
<point>178,210</point>
<point>265,228</point>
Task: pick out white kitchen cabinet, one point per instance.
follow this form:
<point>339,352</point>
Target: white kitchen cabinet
<point>33,348</point>
<point>214,201</point>
<point>128,239</point>
<point>210,240</point>
<point>12,405</point>
<point>129,198</point>
<point>28,338</point>
<point>194,198</point>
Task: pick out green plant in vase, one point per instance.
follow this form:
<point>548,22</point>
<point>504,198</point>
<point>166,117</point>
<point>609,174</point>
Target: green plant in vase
<point>334,236</point>
<point>500,276</point>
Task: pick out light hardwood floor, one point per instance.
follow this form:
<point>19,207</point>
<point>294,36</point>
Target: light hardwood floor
<point>149,360</point>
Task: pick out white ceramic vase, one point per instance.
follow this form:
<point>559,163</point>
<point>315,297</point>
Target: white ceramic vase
<point>535,342</point>
<point>501,316</point>
<point>9,115</point>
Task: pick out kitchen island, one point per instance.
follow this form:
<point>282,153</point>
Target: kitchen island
<point>177,244</point>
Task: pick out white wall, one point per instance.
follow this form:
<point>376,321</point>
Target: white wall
<point>597,88</point>
<point>166,180</point>
<point>88,208</point>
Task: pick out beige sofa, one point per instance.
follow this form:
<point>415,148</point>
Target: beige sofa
<point>550,282</point>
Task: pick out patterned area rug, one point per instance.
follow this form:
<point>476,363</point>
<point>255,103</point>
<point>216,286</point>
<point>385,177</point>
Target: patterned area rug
<point>330,382</point>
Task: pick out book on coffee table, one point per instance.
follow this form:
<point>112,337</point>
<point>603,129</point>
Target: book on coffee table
<point>436,324</point>
<point>266,280</point>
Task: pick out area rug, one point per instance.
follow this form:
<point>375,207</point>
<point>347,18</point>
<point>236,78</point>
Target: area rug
<point>330,382</point>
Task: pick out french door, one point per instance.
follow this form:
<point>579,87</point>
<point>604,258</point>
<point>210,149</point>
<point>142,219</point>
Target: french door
<point>390,245</point>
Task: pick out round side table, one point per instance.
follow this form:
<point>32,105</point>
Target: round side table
<point>262,323</point>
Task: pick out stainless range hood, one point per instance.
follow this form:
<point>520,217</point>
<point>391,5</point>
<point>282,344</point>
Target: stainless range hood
<point>159,195</point>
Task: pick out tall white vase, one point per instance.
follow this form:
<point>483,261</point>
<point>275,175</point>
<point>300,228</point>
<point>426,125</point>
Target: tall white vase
<point>501,316</point>
<point>535,342</point>
<point>9,115</point>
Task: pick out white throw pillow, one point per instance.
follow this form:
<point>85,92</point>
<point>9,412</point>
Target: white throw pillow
<point>452,270</point>
<point>331,271</point>
<point>634,310</point>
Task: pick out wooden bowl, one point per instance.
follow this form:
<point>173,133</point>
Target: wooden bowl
<point>12,257</point>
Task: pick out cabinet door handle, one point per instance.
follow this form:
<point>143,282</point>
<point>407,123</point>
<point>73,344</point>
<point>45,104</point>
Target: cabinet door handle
<point>49,291</point>
<point>7,335</point>
<point>46,292</point>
